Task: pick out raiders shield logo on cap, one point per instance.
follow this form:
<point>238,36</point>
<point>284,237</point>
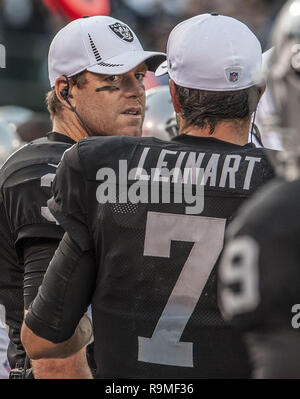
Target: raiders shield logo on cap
<point>122,31</point>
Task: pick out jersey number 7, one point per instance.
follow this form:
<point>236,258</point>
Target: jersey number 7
<point>207,233</point>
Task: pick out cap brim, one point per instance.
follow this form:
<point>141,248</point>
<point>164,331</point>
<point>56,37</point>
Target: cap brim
<point>124,62</point>
<point>265,67</point>
<point>266,56</point>
<point>162,69</point>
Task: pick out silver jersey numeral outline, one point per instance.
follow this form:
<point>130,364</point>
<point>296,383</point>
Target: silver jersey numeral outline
<point>46,181</point>
<point>239,265</point>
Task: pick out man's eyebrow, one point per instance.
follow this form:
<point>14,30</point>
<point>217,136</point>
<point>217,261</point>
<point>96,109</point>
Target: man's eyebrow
<point>102,76</point>
<point>143,68</point>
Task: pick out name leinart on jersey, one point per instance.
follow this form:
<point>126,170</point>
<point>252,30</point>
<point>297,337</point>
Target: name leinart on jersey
<point>219,170</point>
<point>127,186</point>
<point>178,177</point>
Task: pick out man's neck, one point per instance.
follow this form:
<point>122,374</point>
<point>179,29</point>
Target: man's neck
<point>232,132</point>
<point>69,128</point>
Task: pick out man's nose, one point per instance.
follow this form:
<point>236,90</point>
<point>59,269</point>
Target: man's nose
<point>134,88</point>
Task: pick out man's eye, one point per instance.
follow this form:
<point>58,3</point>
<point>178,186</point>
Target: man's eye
<point>112,78</point>
<point>140,76</point>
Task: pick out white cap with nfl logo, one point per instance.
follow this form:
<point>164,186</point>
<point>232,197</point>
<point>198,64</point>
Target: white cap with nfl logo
<point>213,52</point>
<point>99,44</point>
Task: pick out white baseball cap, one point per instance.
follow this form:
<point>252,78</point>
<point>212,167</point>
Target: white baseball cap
<point>212,52</point>
<point>99,44</point>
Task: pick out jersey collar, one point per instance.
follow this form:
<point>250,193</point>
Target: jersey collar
<point>210,142</point>
<point>54,136</point>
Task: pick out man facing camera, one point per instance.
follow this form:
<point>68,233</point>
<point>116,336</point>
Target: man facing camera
<point>96,71</point>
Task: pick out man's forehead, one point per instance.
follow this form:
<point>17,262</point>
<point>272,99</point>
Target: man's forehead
<point>139,68</point>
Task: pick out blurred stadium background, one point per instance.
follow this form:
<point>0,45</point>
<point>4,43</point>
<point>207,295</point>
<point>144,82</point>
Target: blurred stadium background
<point>27,26</point>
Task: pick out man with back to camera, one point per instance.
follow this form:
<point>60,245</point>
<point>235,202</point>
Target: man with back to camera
<point>262,253</point>
<point>150,267</point>
<point>96,71</point>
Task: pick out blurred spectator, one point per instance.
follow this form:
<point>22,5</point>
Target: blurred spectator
<point>26,123</point>
<point>35,128</point>
<point>9,141</point>
<point>160,119</point>
<point>15,115</point>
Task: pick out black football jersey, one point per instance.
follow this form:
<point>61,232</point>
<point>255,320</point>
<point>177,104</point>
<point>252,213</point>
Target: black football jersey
<point>259,273</point>
<point>25,187</point>
<point>155,310</point>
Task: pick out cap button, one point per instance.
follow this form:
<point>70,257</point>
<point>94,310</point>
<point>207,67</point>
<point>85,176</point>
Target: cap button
<point>214,14</point>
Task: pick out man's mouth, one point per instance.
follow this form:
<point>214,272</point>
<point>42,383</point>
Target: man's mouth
<point>134,111</point>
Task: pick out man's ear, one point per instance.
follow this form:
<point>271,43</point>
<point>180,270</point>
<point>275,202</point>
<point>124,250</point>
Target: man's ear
<point>61,87</point>
<point>174,97</point>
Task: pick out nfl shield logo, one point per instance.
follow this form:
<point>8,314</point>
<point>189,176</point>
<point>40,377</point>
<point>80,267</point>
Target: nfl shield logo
<point>233,77</point>
<point>122,31</point>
